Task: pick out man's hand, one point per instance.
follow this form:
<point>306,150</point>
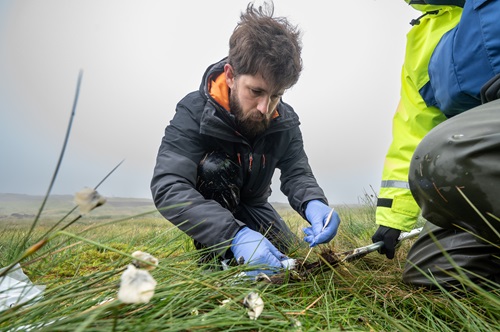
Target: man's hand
<point>256,249</point>
<point>317,214</point>
<point>390,238</point>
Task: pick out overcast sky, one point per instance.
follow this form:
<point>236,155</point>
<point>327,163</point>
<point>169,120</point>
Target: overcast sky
<point>139,58</point>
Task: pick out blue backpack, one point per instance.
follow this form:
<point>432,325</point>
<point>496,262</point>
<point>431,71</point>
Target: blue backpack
<point>465,59</point>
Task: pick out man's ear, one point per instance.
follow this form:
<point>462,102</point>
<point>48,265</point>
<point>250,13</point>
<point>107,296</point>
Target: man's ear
<point>228,71</point>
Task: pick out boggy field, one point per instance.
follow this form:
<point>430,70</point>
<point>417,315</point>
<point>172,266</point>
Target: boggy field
<point>81,262</point>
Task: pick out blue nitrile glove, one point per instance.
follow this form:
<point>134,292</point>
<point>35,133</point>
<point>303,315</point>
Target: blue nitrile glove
<point>317,213</point>
<point>256,249</point>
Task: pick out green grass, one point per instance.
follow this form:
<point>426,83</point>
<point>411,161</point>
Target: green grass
<point>81,267</point>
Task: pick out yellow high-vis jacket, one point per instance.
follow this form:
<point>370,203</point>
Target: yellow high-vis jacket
<point>413,119</point>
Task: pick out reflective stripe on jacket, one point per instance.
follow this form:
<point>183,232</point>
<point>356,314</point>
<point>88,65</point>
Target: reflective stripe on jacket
<point>396,207</point>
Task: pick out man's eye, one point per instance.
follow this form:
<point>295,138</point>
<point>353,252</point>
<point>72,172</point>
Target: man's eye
<point>256,92</point>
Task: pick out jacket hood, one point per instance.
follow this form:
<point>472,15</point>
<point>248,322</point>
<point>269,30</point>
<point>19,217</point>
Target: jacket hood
<point>213,85</point>
<point>459,3</point>
<point>430,5</point>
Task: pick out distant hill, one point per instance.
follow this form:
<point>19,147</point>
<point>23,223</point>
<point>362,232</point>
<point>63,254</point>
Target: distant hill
<point>27,206</point>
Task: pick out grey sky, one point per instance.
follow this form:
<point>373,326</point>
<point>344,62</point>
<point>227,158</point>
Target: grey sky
<point>139,58</point>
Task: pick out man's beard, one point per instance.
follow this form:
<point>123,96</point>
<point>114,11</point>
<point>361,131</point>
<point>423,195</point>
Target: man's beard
<point>251,124</point>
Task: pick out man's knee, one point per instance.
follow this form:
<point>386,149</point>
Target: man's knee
<point>454,172</point>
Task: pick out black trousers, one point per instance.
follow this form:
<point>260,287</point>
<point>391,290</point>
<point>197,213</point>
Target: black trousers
<point>455,178</point>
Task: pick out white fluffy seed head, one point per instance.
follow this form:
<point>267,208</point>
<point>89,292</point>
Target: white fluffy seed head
<point>88,199</point>
<point>141,258</point>
<point>254,304</point>
<point>136,286</point>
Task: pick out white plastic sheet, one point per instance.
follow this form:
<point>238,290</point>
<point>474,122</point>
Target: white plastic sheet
<point>16,288</point>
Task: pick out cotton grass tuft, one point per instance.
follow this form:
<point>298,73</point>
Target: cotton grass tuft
<point>254,304</point>
<point>144,260</point>
<point>88,199</point>
<point>136,286</point>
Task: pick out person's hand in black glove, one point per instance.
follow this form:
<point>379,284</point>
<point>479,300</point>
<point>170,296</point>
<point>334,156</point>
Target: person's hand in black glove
<point>491,90</point>
<point>390,238</point>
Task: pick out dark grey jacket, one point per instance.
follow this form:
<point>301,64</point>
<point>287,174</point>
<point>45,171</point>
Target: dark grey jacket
<point>201,125</point>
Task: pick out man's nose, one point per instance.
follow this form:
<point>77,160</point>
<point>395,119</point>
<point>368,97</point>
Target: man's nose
<point>263,105</point>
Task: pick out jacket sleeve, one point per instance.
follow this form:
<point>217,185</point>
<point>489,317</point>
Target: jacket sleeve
<point>173,185</point>
<point>413,119</point>
<point>396,207</point>
<point>297,180</point>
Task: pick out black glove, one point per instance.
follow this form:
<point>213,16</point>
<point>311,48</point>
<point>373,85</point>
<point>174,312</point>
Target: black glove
<point>390,238</point>
<point>491,90</point>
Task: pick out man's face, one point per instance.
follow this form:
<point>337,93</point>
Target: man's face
<point>252,101</point>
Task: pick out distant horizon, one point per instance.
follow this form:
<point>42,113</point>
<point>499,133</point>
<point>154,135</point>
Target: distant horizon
<point>41,196</point>
<point>140,198</point>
